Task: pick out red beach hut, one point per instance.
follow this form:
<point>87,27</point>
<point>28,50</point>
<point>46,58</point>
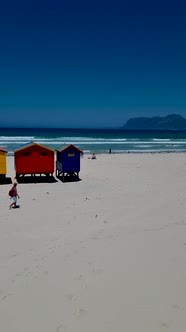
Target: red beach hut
<point>33,159</point>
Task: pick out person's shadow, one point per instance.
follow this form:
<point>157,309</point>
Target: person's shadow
<point>16,207</point>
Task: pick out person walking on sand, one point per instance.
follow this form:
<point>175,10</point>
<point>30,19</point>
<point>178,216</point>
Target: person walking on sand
<point>14,196</point>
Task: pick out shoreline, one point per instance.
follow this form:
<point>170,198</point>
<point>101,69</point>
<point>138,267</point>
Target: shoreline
<point>11,154</point>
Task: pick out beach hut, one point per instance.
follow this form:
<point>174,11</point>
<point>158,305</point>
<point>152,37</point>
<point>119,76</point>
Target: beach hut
<point>3,153</point>
<point>33,159</point>
<point>68,162</point>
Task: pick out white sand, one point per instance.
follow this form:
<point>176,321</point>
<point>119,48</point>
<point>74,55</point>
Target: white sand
<point>106,254</point>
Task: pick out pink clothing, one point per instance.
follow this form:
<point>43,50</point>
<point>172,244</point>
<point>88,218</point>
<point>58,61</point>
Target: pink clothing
<point>14,192</point>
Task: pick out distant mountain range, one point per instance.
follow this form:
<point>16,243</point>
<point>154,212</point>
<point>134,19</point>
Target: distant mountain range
<point>169,122</point>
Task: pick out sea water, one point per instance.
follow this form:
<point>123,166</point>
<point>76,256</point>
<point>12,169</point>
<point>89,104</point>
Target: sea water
<point>96,140</point>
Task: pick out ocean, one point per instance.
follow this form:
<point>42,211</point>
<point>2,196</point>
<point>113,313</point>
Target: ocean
<point>96,140</point>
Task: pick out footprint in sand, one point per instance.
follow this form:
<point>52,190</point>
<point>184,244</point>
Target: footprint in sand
<point>61,328</point>
<point>177,307</point>
<point>71,297</point>
<point>5,297</point>
<point>81,312</point>
<point>164,325</point>
<point>97,270</point>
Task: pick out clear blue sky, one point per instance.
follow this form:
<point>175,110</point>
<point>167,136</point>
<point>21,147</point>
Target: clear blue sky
<point>69,63</point>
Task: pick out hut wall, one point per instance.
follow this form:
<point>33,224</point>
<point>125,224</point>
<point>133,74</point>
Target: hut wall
<point>70,160</point>
<point>2,163</point>
<point>34,160</point>
<point>58,161</point>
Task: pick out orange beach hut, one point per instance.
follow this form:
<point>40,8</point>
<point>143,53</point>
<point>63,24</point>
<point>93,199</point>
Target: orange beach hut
<point>33,159</point>
<point>3,153</point>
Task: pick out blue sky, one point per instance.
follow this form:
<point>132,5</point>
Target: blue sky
<point>91,63</point>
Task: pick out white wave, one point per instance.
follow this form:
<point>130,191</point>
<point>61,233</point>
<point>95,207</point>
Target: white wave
<point>159,142</point>
<point>143,146</point>
<point>17,138</point>
<point>175,142</point>
<point>88,142</point>
<point>110,142</point>
<point>64,142</point>
<point>75,139</point>
<point>124,143</point>
<point>155,150</point>
<point>161,139</point>
<point>64,139</point>
<point>174,145</point>
<point>15,143</point>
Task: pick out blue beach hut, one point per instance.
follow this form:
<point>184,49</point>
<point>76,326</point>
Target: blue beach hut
<point>68,162</point>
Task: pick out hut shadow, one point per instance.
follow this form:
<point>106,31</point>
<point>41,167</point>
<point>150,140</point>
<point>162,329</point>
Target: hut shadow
<point>5,180</point>
<point>68,178</point>
<point>36,179</point>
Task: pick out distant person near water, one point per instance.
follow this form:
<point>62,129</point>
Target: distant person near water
<point>14,195</point>
<point>93,156</point>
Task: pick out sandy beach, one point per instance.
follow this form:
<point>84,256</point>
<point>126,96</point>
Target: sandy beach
<point>105,254</point>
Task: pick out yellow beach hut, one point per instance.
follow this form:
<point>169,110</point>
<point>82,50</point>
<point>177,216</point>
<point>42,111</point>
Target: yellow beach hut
<point>3,162</point>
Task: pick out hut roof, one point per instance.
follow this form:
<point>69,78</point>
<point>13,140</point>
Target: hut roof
<point>71,146</point>
<point>3,149</point>
<point>25,146</point>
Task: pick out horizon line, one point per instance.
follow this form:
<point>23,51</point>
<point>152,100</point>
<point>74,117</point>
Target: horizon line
<point>66,128</point>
